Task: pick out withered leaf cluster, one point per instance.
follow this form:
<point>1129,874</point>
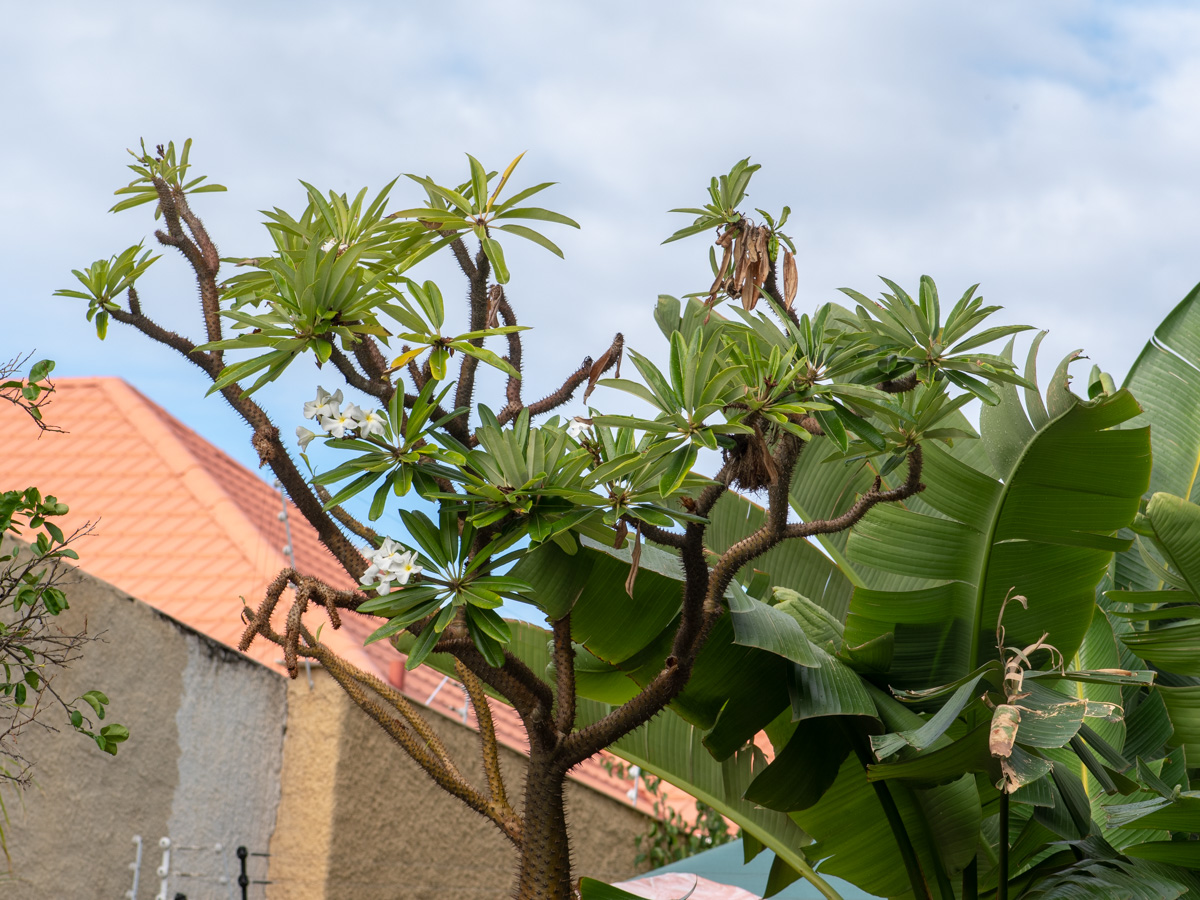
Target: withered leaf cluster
<point>747,252</point>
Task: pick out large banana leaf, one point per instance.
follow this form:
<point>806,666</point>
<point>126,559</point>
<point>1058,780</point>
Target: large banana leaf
<point>1165,378</point>
<point>1047,533</point>
<point>855,840</point>
<point>1161,626</point>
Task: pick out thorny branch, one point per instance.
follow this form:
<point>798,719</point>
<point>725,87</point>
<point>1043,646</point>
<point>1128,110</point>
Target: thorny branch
<point>414,735</point>
<point>266,436</point>
<point>351,524</point>
<point>477,307</point>
<point>516,682</point>
<point>690,636</point>
<point>587,371</point>
<point>489,749</point>
<point>564,673</point>
<point>374,388</point>
<point>410,730</point>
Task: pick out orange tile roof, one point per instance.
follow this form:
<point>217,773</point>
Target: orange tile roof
<point>178,523</point>
<point>186,528</point>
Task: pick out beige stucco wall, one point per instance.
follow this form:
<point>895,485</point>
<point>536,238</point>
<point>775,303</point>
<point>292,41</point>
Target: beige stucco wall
<point>201,766</point>
<point>299,861</point>
<point>393,833</point>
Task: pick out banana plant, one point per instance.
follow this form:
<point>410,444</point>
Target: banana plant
<point>1148,787</point>
<point>1166,379</point>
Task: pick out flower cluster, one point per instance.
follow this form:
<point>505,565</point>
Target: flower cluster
<point>389,563</point>
<point>327,411</point>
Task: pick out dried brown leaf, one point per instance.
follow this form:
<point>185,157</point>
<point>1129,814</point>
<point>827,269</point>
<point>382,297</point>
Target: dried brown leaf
<point>764,259</point>
<point>595,372</point>
<point>721,272</point>
<point>749,294</point>
<point>495,296</point>
<point>622,529</point>
<point>1005,722</point>
<point>790,279</point>
<point>739,262</point>
<point>753,244</point>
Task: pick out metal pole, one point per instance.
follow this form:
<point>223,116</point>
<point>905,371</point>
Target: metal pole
<point>243,879</point>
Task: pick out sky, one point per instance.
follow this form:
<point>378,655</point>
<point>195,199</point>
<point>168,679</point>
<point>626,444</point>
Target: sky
<point>1047,150</point>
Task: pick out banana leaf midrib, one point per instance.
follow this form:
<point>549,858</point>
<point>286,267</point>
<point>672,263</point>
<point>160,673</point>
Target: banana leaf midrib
<point>994,515</point>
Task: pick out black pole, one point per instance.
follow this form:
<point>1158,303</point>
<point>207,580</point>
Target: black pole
<point>243,879</point>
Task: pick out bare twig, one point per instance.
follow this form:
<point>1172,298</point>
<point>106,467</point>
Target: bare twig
<point>352,524</point>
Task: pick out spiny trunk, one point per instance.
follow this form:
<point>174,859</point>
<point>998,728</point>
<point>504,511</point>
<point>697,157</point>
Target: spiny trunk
<point>545,872</point>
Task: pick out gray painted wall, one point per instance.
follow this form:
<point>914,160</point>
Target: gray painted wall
<point>202,764</point>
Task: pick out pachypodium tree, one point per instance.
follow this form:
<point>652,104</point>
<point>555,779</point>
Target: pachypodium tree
<point>523,501</point>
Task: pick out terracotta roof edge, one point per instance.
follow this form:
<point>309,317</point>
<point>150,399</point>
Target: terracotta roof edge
<point>147,417</point>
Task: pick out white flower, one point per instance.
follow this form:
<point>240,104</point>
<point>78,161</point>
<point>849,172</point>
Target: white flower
<point>304,436</point>
<point>328,245</point>
<point>326,404</point>
<point>370,423</point>
<point>390,563</point>
<point>407,567</point>
<point>338,424</point>
<point>352,411</point>
<point>389,551</point>
<point>577,427</point>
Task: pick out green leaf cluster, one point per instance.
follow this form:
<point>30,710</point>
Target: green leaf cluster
<point>470,208</point>
<point>162,166</point>
<point>105,280</point>
<point>30,593</point>
<point>459,577</point>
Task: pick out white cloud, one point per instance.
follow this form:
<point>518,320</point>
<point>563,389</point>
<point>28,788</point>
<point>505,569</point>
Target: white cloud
<point>1045,149</point>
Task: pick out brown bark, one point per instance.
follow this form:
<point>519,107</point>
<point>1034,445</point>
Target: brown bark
<point>545,867</point>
